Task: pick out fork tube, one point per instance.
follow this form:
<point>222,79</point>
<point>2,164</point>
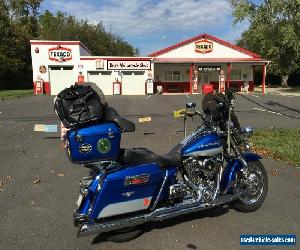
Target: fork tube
<point>184,125</point>
<point>228,131</point>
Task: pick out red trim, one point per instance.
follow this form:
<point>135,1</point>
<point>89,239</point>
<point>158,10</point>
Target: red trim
<point>60,43</point>
<point>228,74</point>
<point>204,35</point>
<point>264,78</point>
<point>118,58</point>
<point>207,60</point>
<point>191,77</point>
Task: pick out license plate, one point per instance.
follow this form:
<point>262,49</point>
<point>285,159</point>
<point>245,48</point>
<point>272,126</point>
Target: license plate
<point>79,200</point>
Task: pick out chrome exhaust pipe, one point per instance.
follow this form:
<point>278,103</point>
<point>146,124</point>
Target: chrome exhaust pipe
<point>157,215</point>
<point>87,229</point>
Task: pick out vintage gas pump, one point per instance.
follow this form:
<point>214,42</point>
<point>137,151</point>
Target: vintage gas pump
<point>195,79</point>
<point>221,82</point>
<point>80,78</point>
<point>149,86</point>
<point>38,87</point>
<point>117,87</point>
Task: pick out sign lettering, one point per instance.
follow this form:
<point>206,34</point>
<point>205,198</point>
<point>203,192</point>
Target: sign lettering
<point>203,46</point>
<point>129,65</point>
<point>209,68</point>
<point>60,54</point>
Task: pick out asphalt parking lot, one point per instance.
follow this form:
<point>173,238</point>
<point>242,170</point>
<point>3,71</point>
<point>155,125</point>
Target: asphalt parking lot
<point>39,216</point>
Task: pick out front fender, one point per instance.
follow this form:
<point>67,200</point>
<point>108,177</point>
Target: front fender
<point>235,165</point>
<point>249,156</point>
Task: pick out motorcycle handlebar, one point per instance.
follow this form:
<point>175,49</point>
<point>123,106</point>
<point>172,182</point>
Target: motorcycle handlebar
<point>192,113</point>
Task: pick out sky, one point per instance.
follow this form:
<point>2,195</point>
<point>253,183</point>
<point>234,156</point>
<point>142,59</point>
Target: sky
<point>154,25</point>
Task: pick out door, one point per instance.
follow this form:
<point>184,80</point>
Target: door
<point>61,77</point>
<point>133,82</point>
<point>203,78</point>
<point>103,79</point>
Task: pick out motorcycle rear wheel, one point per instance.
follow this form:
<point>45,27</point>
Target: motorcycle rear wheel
<point>256,188</point>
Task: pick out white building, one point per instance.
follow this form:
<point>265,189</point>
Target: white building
<point>185,67</point>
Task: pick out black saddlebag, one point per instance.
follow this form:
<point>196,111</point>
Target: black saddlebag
<point>79,105</point>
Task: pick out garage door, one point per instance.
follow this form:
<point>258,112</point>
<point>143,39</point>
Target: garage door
<point>133,82</point>
<point>60,78</point>
<point>103,79</point>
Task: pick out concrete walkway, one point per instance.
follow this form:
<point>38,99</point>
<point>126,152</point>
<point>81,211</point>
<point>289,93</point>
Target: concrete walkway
<point>279,91</point>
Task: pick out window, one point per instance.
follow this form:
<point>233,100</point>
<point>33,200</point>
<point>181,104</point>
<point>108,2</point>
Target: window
<point>105,73</point>
<point>55,68</point>
<point>136,73</point>
<point>127,73</point>
<point>139,73</point>
<point>172,75</point>
<point>236,74</point>
<point>67,68</point>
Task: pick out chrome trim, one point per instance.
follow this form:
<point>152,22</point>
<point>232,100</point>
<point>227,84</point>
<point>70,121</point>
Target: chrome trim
<point>160,191</point>
<point>207,152</point>
<point>157,215</point>
<point>219,177</point>
<point>196,189</point>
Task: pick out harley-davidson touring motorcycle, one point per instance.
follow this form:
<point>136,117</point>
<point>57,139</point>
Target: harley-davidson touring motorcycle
<point>212,166</point>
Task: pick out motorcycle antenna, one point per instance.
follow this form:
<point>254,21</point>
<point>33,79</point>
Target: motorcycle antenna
<point>188,97</point>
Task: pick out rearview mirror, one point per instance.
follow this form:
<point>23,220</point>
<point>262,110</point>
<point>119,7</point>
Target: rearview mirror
<point>190,105</point>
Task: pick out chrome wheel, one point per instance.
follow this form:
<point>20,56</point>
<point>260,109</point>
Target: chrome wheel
<point>254,181</point>
<point>254,185</point>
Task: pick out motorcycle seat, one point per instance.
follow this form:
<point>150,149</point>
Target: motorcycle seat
<point>111,115</point>
<point>139,156</point>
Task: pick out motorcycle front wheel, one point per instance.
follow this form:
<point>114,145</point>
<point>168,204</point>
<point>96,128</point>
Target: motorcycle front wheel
<point>255,181</point>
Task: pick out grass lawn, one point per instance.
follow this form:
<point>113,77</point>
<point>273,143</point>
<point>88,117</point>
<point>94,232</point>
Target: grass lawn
<point>282,144</point>
<point>8,94</point>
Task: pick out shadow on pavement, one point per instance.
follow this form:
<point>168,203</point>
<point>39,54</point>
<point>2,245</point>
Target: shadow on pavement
<point>270,103</point>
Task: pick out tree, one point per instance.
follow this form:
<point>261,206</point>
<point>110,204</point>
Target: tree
<point>20,21</point>
<point>274,32</point>
<point>18,24</point>
<point>66,27</point>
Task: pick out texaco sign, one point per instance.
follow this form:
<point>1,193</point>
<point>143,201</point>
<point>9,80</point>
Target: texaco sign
<point>60,54</point>
<point>203,46</point>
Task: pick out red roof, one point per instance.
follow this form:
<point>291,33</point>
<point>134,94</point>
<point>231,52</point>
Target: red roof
<point>43,42</point>
<point>208,60</point>
<point>204,35</point>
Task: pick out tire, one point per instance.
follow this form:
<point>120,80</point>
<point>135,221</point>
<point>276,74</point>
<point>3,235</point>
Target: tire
<point>124,235</point>
<point>252,200</point>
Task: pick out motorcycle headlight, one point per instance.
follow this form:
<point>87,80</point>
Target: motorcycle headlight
<point>247,131</point>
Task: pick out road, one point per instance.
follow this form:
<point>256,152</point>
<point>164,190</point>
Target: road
<point>39,216</point>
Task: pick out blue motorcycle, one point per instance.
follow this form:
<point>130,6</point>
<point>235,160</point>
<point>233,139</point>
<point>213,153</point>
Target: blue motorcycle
<point>210,167</point>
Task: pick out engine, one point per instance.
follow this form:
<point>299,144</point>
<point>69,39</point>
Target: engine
<point>202,172</point>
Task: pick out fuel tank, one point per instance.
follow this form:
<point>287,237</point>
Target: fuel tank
<point>203,144</point>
